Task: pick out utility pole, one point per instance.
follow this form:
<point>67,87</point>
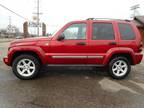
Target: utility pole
<point>38,17</point>
<point>9,27</point>
<point>9,20</point>
<point>134,9</point>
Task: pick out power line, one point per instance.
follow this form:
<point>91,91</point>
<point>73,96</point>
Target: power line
<point>13,12</point>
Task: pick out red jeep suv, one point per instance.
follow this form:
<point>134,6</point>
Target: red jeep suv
<point>115,44</point>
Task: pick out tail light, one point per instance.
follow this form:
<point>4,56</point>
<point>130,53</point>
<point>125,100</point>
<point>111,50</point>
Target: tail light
<point>141,47</point>
<point>141,44</point>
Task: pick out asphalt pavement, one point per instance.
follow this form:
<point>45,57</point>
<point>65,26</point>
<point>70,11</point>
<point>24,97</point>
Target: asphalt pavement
<point>71,87</point>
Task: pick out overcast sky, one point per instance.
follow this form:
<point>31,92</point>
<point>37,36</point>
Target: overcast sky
<point>59,12</point>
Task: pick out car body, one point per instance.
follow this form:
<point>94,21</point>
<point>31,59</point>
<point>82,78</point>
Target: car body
<point>87,42</point>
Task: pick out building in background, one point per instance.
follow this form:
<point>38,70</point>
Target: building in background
<point>10,32</point>
<point>139,21</point>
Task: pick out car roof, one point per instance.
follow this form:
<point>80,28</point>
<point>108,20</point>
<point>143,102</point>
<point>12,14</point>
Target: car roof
<point>108,19</point>
<point>105,20</point>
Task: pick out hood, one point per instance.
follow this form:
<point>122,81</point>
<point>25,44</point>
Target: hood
<point>29,41</point>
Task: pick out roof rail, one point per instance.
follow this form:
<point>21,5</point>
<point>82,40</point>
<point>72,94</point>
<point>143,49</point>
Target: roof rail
<point>107,19</point>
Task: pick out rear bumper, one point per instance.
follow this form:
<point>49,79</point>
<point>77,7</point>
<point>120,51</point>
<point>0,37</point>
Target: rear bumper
<point>6,61</point>
<point>138,58</point>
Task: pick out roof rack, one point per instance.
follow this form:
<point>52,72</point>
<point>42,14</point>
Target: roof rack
<point>107,19</point>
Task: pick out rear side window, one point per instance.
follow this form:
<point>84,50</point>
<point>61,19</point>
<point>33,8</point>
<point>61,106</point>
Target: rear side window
<point>126,32</point>
<point>103,31</point>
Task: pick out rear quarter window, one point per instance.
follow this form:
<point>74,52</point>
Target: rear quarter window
<point>126,32</point>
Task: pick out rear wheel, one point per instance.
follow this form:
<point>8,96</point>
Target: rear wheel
<point>119,67</point>
<point>26,67</point>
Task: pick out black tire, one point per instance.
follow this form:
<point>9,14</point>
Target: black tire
<point>115,60</point>
<point>29,57</point>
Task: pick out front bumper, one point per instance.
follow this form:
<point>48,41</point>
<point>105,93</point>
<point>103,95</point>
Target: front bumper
<point>6,61</point>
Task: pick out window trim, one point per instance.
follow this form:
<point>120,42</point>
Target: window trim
<point>131,29</point>
<point>77,23</point>
<point>103,39</point>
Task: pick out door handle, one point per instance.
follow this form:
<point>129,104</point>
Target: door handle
<point>112,43</point>
<point>81,43</point>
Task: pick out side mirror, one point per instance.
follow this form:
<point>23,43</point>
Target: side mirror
<point>61,37</point>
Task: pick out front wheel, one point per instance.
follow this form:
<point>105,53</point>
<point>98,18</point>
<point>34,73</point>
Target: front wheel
<point>26,67</point>
<point>119,67</point>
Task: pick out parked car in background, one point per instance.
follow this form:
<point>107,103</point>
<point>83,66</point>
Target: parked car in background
<point>115,44</point>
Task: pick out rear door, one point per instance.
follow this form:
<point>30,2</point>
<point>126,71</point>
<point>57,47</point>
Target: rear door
<point>102,38</point>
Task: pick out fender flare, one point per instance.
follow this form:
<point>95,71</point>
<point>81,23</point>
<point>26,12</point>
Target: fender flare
<point>37,50</point>
<point>114,51</point>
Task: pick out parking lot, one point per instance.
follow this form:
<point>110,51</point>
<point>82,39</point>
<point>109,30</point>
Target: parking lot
<point>71,87</point>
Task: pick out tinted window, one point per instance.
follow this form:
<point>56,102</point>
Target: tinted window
<point>126,32</point>
<point>103,31</point>
<point>75,31</point>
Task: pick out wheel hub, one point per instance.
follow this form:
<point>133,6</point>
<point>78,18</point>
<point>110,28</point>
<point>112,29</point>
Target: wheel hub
<point>26,67</point>
<point>120,68</point>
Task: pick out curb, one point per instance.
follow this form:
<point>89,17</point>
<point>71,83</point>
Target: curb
<point>3,41</point>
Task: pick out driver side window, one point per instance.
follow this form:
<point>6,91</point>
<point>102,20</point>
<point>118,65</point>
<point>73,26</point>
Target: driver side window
<point>75,31</point>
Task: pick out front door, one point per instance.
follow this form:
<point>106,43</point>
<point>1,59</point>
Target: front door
<point>73,48</point>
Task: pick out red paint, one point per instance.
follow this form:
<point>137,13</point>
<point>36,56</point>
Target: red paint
<point>46,47</point>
